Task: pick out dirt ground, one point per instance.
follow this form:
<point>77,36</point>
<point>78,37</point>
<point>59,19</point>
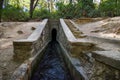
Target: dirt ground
<point>105,28</point>
<point>10,31</point>
<point>101,31</point>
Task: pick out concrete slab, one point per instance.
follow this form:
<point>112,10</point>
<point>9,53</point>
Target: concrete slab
<point>111,58</point>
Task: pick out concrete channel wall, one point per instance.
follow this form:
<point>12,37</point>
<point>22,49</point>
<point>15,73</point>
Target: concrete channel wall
<point>70,47</point>
<point>26,48</point>
<point>32,49</point>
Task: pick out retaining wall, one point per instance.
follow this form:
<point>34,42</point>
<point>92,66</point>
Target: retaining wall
<point>30,50</point>
<point>71,47</point>
<point>26,48</point>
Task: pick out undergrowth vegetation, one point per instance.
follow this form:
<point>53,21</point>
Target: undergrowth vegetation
<point>107,8</point>
<point>11,13</point>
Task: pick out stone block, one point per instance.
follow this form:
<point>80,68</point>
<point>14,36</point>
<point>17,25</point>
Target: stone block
<point>111,58</point>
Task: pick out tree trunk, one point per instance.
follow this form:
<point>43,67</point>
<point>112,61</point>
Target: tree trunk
<point>117,8</point>
<point>1,4</point>
<point>70,1</point>
<point>31,8</point>
<point>33,4</point>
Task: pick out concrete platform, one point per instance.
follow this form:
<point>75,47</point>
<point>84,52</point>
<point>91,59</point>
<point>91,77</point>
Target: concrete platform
<point>111,58</point>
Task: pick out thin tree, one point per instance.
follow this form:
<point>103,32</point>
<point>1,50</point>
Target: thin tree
<point>116,7</point>
<point>6,2</point>
<point>1,7</point>
<point>70,1</point>
<point>33,4</point>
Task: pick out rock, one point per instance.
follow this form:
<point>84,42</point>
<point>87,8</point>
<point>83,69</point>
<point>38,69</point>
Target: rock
<point>33,28</point>
<point>20,32</point>
<point>9,37</point>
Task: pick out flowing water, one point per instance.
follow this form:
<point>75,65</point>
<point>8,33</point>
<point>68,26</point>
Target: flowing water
<point>52,66</point>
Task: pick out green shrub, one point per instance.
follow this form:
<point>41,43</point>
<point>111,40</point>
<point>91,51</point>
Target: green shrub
<point>109,8</point>
<point>42,13</point>
<point>66,11</point>
<point>76,10</point>
<point>11,13</point>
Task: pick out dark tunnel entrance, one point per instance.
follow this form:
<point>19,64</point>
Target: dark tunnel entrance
<point>54,34</point>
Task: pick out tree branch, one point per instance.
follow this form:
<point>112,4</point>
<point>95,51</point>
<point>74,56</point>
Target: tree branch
<point>35,4</point>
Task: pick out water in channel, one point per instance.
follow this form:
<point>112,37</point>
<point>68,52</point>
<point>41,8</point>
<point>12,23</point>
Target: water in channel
<point>52,66</point>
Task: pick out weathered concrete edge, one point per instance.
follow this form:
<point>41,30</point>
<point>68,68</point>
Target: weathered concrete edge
<point>74,43</point>
<point>74,65</point>
<point>106,59</point>
<point>75,68</point>
<point>117,42</point>
<point>29,46</point>
<point>38,31</point>
<point>24,71</point>
<point>71,38</point>
<point>67,31</point>
<point>36,34</point>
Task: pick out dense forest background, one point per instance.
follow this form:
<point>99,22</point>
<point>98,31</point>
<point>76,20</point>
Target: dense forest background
<point>23,10</point>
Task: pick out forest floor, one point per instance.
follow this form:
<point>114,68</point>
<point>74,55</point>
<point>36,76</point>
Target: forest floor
<point>10,31</point>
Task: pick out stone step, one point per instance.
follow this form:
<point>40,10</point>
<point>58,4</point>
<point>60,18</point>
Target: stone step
<point>104,43</point>
<point>111,58</point>
<point>115,41</point>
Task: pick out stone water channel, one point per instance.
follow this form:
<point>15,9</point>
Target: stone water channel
<point>80,58</point>
<point>52,66</point>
